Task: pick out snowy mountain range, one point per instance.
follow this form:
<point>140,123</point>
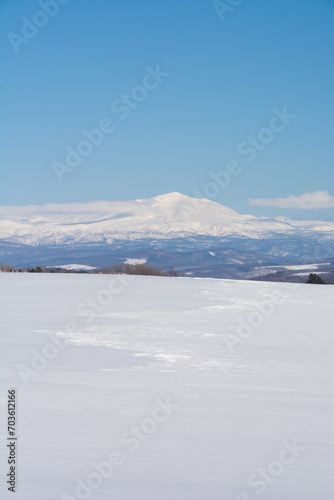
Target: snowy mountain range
<point>200,237</point>
<point>163,217</point>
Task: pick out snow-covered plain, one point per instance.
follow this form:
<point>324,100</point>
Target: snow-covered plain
<point>135,261</point>
<point>311,267</point>
<point>195,389</point>
<point>76,267</point>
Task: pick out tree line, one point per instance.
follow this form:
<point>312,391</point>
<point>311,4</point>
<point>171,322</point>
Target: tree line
<point>135,269</point>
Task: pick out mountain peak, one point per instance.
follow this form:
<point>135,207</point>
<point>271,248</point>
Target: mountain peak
<point>174,196</point>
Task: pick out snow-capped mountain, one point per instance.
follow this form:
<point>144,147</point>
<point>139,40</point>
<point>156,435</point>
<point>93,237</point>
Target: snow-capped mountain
<point>167,216</point>
<point>197,237</point>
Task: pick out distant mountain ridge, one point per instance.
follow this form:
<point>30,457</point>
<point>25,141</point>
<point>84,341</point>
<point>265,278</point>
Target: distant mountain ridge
<point>168,216</point>
<point>196,237</point>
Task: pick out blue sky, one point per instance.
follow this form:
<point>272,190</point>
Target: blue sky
<point>226,73</point>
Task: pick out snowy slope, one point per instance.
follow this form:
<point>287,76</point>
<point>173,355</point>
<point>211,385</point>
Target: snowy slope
<point>245,369</point>
<point>168,216</point>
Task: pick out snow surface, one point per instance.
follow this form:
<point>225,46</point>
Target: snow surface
<point>76,267</point>
<point>172,215</point>
<point>135,261</point>
<point>238,409</point>
<point>300,266</point>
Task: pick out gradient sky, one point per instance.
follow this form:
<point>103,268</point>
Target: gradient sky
<point>226,75</point>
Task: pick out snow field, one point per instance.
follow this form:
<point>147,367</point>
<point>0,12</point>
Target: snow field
<point>138,387</point>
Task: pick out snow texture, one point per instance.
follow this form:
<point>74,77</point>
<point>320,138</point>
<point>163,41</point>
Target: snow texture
<point>224,379</point>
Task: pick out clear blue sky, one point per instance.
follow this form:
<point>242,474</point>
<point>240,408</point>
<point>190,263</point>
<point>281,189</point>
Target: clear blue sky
<point>225,78</point>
